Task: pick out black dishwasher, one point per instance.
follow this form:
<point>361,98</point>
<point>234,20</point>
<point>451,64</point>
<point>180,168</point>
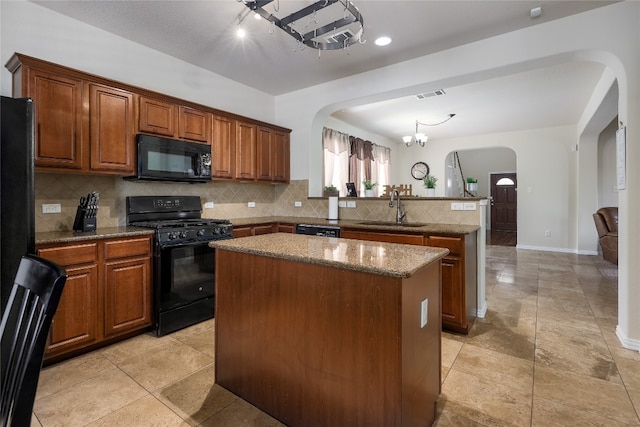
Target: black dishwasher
<point>318,230</point>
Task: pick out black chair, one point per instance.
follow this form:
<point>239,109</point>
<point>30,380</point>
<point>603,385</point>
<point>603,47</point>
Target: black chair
<point>23,335</point>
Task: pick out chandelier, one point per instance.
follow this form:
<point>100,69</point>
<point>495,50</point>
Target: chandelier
<point>419,138</point>
<point>316,29</point>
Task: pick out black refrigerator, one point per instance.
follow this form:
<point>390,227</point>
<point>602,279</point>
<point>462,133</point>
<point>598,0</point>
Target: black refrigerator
<point>17,203</point>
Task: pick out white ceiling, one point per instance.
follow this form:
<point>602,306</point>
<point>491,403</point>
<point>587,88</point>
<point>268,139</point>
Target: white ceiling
<point>203,33</point>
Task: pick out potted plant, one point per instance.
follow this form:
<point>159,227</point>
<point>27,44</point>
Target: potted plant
<point>368,187</point>
<point>430,185</point>
<point>472,185</point>
<point>331,191</point>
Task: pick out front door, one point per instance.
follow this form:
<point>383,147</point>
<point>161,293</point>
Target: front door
<point>504,187</point>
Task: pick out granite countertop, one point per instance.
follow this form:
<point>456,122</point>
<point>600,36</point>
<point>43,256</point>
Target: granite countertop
<point>55,237</point>
<point>388,259</point>
<point>351,223</point>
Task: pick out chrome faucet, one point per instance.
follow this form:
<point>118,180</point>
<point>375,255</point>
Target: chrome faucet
<point>400,212</point>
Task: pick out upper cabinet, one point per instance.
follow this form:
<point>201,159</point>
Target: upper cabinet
<point>88,124</point>
<point>112,139</point>
<point>157,117</point>
<point>60,127</point>
<point>170,120</point>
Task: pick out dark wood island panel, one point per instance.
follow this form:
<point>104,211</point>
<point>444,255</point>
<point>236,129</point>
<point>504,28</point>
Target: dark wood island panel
<point>316,345</point>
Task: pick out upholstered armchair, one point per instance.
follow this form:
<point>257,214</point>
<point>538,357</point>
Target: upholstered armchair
<point>606,220</point>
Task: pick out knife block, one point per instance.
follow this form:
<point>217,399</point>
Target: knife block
<point>82,222</point>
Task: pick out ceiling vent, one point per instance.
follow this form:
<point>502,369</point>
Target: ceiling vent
<point>339,37</point>
<point>437,92</point>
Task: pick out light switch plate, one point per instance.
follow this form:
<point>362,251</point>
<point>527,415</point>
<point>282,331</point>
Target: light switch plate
<point>469,206</point>
<point>297,204</point>
<point>251,204</point>
<point>351,204</point>
<point>456,206</point>
<point>208,205</point>
<point>342,204</point>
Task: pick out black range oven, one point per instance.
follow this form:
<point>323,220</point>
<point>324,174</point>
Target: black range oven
<point>183,279</point>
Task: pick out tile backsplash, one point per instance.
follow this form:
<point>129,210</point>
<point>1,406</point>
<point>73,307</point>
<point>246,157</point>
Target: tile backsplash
<point>230,200</point>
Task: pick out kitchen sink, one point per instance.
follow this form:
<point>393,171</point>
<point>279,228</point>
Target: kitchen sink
<point>393,224</point>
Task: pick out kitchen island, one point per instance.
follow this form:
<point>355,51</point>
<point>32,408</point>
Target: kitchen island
<point>324,331</point>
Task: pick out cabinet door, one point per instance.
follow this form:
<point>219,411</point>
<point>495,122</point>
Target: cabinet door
<point>127,298</point>
<point>281,156</point>
<point>59,119</point>
<point>453,313</point>
<point>262,229</point>
<point>286,228</point>
<point>112,129</point>
<point>157,117</point>
<point>246,146</point>
<point>264,151</point>
<point>194,125</point>
<point>242,232</point>
<point>223,150</point>
<point>75,323</point>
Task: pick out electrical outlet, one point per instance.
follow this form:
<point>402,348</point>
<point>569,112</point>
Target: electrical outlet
<point>208,205</point>
<point>51,208</point>
<point>424,312</point>
<point>297,204</point>
<point>251,204</point>
<point>342,204</point>
<point>547,233</point>
<point>351,204</point>
<point>457,206</point>
<point>469,207</point>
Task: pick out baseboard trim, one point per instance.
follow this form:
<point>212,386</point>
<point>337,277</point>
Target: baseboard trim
<point>482,311</point>
<point>628,343</point>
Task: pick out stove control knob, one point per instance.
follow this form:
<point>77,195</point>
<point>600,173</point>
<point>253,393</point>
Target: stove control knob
<point>183,234</point>
<point>200,232</point>
<point>173,235</point>
<point>218,230</point>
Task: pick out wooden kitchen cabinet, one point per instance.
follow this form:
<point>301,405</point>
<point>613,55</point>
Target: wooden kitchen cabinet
<point>459,271</point>
<point>157,117</point>
<point>75,324</point>
<point>459,280</point>
<point>254,230</point>
<point>60,126</point>
<point>170,120</point>
<point>223,147</point>
<point>410,239</point>
<point>112,129</point>
<point>246,150</point>
<point>107,295</point>
<point>286,228</point>
<point>127,278</point>
<point>272,155</point>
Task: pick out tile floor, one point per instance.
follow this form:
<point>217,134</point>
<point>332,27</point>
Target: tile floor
<point>545,355</point>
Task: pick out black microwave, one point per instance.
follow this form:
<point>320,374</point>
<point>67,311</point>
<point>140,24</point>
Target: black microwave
<point>163,159</point>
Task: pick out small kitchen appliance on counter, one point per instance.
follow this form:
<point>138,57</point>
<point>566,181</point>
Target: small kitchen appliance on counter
<point>183,262</point>
<point>86,213</point>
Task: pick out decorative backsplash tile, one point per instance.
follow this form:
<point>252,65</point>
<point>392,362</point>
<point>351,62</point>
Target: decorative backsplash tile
<point>230,201</point>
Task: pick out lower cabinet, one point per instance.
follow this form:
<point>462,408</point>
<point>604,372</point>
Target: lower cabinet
<point>459,271</point>
<point>254,230</point>
<point>107,294</point>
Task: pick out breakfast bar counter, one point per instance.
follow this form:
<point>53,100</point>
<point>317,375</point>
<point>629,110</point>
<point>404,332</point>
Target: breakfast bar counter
<point>325,331</point>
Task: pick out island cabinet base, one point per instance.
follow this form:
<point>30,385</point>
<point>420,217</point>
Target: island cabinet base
<point>314,345</point>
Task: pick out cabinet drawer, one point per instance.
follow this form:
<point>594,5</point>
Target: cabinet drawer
<point>454,244</point>
<point>126,248</point>
<point>70,255</point>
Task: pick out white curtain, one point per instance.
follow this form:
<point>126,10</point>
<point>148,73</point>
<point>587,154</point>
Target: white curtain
<point>336,159</point>
<point>380,167</point>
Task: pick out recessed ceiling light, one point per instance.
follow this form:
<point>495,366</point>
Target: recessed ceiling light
<point>257,17</point>
<point>383,41</point>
